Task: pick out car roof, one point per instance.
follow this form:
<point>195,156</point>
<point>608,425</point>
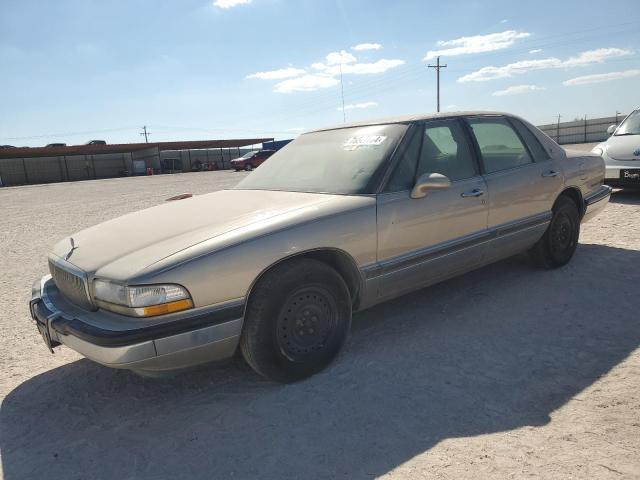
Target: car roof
<point>411,118</point>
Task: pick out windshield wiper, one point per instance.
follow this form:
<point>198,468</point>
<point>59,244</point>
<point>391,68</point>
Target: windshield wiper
<point>625,134</point>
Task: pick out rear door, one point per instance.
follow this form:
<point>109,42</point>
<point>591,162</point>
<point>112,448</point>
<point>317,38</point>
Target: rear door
<point>421,241</point>
<point>523,180</point>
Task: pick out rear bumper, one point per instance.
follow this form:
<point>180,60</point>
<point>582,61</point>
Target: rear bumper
<point>175,342</point>
<point>595,202</point>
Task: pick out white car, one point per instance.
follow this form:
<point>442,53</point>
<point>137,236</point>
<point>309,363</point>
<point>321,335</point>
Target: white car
<point>621,152</point>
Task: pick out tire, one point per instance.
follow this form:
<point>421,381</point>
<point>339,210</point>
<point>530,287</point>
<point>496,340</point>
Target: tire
<point>297,318</point>
<point>559,242</point>
<point>248,167</point>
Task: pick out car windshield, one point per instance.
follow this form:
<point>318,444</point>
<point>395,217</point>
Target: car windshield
<point>340,161</point>
<point>631,125</point>
<point>249,154</point>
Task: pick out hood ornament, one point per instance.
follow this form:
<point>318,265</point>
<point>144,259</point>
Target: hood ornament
<point>636,152</point>
<point>73,247</point>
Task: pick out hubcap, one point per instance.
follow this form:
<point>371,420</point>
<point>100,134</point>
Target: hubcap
<point>306,322</point>
<point>562,234</point>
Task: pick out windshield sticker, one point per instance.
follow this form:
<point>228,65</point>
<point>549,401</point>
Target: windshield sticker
<point>367,141</point>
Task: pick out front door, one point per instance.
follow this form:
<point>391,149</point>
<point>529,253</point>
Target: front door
<point>421,241</point>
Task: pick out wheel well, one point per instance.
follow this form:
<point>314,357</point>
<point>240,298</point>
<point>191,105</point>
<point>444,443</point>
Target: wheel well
<point>339,260</point>
<point>575,195</point>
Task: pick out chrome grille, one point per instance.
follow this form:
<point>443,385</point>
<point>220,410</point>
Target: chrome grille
<point>71,285</point>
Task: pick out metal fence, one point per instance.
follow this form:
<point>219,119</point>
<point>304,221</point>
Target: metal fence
<point>69,168</point>
<point>586,130</point>
<point>22,171</point>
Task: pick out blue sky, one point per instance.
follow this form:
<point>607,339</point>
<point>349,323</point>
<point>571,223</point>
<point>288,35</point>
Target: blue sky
<point>74,70</point>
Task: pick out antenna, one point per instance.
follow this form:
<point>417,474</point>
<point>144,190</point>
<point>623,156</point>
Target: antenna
<point>344,114</point>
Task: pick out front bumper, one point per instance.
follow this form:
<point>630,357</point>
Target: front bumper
<point>595,202</point>
<point>614,172</point>
<point>170,342</point>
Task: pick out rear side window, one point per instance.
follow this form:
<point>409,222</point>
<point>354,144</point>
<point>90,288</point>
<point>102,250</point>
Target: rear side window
<point>445,150</point>
<point>535,147</point>
<point>499,144</point>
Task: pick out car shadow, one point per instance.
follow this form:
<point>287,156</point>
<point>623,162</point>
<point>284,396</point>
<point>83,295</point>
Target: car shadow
<point>627,197</point>
<point>493,350</point>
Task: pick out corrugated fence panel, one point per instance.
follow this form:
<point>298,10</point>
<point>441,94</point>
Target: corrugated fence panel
<point>109,166</point>
<point>78,167</point>
<point>12,172</point>
<point>43,169</point>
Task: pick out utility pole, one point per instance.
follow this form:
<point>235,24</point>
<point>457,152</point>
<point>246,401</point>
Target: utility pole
<point>437,66</point>
<point>558,130</point>
<point>145,134</point>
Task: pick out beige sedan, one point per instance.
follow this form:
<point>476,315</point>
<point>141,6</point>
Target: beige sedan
<point>339,220</point>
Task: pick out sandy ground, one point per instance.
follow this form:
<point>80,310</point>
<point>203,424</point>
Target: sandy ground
<point>506,372</point>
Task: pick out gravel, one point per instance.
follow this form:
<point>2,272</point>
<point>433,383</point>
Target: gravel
<point>506,372</point>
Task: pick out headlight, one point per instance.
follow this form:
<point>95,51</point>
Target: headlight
<point>598,151</point>
<point>141,301</point>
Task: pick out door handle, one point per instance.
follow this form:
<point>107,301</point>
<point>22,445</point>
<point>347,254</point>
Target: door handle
<point>551,173</point>
<point>476,192</point>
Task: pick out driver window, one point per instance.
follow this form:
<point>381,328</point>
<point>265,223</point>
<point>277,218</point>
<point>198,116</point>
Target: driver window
<point>445,150</point>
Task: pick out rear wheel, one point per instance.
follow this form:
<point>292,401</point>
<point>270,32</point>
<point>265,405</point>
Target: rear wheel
<point>559,242</point>
<point>297,319</point>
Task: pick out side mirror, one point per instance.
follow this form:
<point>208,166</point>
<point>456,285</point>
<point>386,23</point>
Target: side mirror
<point>611,129</point>
<point>429,181</point>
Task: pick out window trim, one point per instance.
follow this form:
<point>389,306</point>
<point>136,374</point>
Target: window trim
<point>479,151</point>
<point>380,178</point>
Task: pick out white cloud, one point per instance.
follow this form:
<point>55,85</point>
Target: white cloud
<point>305,83</point>
<point>230,3</point>
<point>336,63</point>
<point>536,50</point>
<point>295,129</point>
<point>366,46</point>
<point>477,44</point>
<point>278,74</point>
<point>601,77</point>
<point>336,58</point>
<point>517,89</point>
<point>380,66</point>
<point>353,106</point>
<point>595,56</point>
<point>491,73</point>
<point>516,68</point>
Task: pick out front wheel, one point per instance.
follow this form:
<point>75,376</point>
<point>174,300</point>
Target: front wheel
<point>559,242</point>
<point>297,319</point>
<point>248,167</point>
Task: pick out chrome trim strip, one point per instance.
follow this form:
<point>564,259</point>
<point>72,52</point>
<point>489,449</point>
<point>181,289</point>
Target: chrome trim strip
<point>603,192</point>
<point>451,246</point>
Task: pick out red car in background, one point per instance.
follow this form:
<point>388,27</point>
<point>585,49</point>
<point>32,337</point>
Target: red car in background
<point>251,160</point>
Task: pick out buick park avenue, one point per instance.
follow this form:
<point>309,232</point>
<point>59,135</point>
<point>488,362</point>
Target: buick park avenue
<point>339,220</point>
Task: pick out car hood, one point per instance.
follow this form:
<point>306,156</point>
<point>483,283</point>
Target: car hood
<point>623,147</point>
<point>124,246</point>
